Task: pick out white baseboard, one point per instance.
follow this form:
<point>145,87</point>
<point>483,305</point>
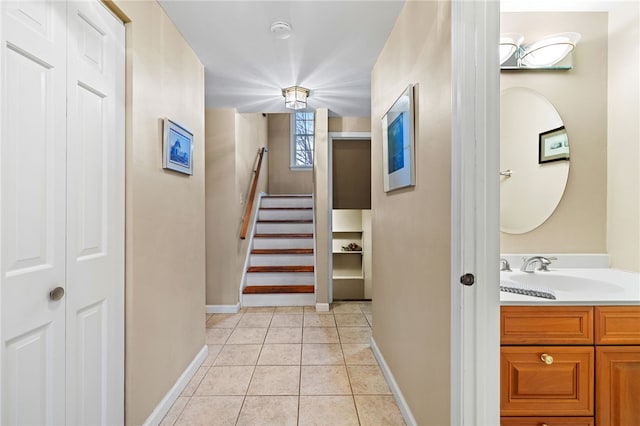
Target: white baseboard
<point>223,309</point>
<point>395,389</point>
<point>322,307</point>
<point>166,403</point>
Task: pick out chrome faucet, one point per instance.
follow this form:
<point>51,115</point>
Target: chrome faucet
<point>529,263</point>
<point>504,265</point>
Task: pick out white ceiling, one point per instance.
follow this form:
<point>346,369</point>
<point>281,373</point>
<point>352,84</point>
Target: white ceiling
<point>331,51</point>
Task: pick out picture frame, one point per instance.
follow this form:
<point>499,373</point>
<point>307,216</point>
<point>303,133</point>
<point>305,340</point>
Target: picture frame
<point>177,148</point>
<point>553,145</point>
<point>398,145</point>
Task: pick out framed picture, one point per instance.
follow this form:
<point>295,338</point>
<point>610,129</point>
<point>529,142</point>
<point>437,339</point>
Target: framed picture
<point>398,145</point>
<point>554,145</point>
<point>177,148</point>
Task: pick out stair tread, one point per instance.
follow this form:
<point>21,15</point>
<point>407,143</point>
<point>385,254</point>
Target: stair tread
<point>285,221</point>
<point>286,208</point>
<point>285,268</point>
<point>283,236</point>
<point>282,251</point>
<point>277,289</point>
<point>287,196</point>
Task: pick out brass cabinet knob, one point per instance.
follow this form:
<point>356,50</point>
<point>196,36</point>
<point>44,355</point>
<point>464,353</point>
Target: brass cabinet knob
<point>547,359</point>
<point>56,294</point>
<point>543,424</point>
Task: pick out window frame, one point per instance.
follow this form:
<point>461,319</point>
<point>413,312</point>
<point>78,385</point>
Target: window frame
<point>292,143</point>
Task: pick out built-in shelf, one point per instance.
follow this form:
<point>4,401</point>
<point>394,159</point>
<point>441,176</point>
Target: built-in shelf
<point>349,272</point>
<point>348,277</point>
<point>347,252</point>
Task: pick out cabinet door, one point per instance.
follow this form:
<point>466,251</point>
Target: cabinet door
<point>561,386</point>
<point>618,378</point>
<point>617,325</point>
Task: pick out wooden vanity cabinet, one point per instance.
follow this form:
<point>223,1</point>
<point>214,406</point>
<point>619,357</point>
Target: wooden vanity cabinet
<point>594,374</point>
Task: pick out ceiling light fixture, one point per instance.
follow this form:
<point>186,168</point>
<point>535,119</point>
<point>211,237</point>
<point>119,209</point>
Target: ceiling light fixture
<point>550,50</point>
<point>509,44</point>
<point>295,97</point>
<point>281,30</point>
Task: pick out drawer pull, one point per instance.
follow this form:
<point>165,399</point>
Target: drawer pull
<point>543,424</point>
<point>547,359</point>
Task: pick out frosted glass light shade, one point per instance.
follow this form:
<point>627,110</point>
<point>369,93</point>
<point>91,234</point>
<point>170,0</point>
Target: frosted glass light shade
<point>295,97</point>
<point>509,43</point>
<point>550,50</point>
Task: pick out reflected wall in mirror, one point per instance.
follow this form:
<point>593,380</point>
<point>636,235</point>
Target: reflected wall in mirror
<point>530,189</point>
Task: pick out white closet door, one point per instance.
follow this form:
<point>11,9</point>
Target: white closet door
<point>32,209</point>
<point>95,216</point>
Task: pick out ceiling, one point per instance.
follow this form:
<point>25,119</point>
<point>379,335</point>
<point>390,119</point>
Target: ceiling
<point>332,49</point>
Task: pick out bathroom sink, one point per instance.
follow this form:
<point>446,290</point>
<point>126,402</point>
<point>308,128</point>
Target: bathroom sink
<point>558,282</point>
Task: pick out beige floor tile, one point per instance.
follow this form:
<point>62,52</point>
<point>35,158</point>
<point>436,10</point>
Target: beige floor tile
<point>195,381</point>
<point>280,354</point>
<point>322,354</point>
<point>275,380</point>
<point>261,309</point>
<point>269,410</point>
<point>327,410</point>
<point>324,380</point>
<point>355,334</point>
<point>214,350</point>
<point>223,320</point>
<point>217,336</point>
<point>286,320</point>
<point>358,354</point>
<point>351,320</point>
<point>225,380</point>
<point>238,355</point>
<point>284,335</point>
<point>289,310</point>
<point>255,320</point>
<point>378,410</point>
<point>247,336</point>
<point>319,320</point>
<point>367,380</point>
<point>320,335</point>
<point>175,411</point>
<point>365,308</point>
<point>369,318</point>
<point>211,411</point>
<point>312,309</point>
<point>346,308</point>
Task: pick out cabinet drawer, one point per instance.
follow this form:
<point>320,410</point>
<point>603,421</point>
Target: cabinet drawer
<point>618,379</point>
<point>617,325</point>
<point>531,387</point>
<point>548,325</point>
<point>546,421</point>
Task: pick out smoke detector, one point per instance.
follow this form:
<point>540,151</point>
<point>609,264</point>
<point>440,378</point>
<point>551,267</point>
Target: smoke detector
<point>281,30</point>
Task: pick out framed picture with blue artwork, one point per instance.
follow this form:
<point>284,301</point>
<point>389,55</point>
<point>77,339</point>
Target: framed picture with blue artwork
<point>398,143</point>
<point>177,148</point>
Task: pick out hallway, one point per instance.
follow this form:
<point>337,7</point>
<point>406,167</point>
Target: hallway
<point>288,366</point>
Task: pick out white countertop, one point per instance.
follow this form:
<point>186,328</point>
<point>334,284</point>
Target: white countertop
<point>594,286</point>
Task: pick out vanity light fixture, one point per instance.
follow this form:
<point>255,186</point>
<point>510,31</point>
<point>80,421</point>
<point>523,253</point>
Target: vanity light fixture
<point>295,97</point>
<point>509,44</point>
<point>549,51</point>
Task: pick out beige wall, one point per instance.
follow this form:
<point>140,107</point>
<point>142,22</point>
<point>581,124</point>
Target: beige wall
<point>351,170</point>
<point>165,245</point>
<point>232,144</point>
<point>283,180</point>
<point>321,200</point>
<point>349,124</point>
<point>623,156</point>
<point>411,227</point>
<point>578,225</point>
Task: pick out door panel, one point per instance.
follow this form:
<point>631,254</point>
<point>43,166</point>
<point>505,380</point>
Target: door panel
<point>32,190</point>
<point>95,216</point>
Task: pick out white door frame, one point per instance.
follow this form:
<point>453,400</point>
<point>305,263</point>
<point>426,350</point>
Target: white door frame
<point>335,136</point>
<point>475,350</point>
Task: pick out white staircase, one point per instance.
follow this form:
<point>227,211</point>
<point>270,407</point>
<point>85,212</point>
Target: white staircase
<point>281,264</point>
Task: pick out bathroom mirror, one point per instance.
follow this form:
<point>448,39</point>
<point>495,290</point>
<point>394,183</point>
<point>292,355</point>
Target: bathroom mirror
<point>534,160</point>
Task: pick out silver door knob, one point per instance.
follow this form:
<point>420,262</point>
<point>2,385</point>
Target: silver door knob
<point>56,294</point>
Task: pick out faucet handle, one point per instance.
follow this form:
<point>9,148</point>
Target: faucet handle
<point>504,265</point>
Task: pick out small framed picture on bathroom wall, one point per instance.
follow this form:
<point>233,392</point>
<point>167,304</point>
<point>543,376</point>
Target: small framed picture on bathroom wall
<point>554,145</point>
<point>177,148</point>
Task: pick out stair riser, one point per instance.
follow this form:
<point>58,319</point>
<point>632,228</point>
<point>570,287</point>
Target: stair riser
<point>282,243</point>
<point>278,299</point>
<point>287,202</point>
<point>285,215</point>
<point>284,228</point>
<point>281,260</point>
<point>279,278</point>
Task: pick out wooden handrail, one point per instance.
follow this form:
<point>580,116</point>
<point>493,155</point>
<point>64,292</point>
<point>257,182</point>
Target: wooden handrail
<point>252,194</point>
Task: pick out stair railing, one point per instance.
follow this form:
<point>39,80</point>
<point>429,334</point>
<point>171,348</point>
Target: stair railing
<point>252,194</point>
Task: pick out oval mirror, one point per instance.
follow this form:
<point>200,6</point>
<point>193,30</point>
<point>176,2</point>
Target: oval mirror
<point>534,160</point>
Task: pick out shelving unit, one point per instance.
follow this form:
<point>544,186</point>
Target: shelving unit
<point>351,269</point>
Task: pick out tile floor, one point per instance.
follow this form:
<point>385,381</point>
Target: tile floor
<point>288,366</point>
